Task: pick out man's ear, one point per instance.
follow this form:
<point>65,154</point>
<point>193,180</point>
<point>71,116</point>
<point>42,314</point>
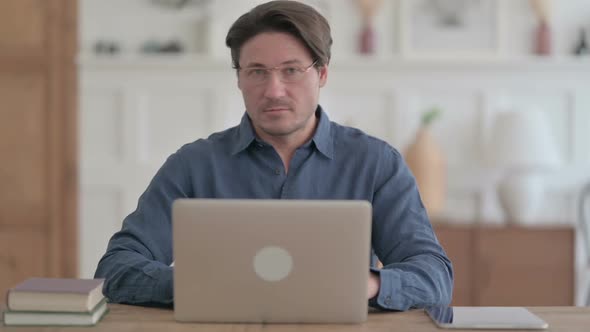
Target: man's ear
<point>323,75</point>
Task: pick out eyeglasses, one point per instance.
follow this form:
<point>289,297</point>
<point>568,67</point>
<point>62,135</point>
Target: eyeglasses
<point>287,73</point>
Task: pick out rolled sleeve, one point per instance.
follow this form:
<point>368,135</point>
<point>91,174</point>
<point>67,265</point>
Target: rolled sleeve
<point>416,272</point>
<point>136,265</point>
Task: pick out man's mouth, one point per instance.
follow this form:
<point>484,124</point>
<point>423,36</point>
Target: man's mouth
<point>276,109</point>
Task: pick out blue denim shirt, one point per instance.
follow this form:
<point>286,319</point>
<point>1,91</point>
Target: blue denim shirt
<point>337,163</point>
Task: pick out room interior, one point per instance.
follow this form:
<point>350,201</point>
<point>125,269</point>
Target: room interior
<point>488,101</point>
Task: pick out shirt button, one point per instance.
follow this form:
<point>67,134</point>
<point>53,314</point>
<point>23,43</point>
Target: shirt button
<point>277,171</point>
<point>388,300</point>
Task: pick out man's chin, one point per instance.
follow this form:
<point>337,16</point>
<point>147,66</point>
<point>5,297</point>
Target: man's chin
<point>281,127</point>
<point>278,131</point>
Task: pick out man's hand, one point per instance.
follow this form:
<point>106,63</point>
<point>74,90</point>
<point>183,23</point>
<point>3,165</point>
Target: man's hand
<point>374,284</point>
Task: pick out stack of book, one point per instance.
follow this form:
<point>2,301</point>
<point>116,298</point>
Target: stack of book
<point>49,301</point>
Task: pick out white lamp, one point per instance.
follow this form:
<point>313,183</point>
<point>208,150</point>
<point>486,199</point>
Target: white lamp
<point>523,147</point>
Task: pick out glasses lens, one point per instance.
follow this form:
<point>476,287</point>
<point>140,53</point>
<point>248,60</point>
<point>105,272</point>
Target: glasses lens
<point>287,74</point>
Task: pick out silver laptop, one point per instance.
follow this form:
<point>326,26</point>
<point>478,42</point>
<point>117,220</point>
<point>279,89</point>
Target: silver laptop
<point>271,261</point>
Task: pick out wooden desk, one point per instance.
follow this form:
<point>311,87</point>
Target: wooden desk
<point>131,318</point>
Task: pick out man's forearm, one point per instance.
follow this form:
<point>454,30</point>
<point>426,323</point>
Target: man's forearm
<point>422,281</point>
<point>131,278</point>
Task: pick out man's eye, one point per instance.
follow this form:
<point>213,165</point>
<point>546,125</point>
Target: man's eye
<point>290,71</point>
<point>256,72</point>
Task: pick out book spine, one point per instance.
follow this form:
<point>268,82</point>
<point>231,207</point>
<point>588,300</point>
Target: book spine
<point>8,299</point>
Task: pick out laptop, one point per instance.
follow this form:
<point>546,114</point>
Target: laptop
<point>271,261</point>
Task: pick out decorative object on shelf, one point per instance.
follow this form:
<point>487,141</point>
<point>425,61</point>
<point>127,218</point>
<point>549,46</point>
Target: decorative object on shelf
<point>523,148</point>
<point>449,13</point>
<point>542,44</point>
<point>435,28</point>
<point>367,8</point>
<point>582,46</point>
<point>150,46</point>
<point>173,46</point>
<point>153,46</point>
<point>179,4</point>
<point>427,161</point>
<point>104,47</point>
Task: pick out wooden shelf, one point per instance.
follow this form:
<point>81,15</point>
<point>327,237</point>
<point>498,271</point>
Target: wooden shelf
<point>364,63</point>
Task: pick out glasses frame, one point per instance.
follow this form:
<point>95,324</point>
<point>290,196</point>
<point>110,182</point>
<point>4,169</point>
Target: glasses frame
<point>302,70</point>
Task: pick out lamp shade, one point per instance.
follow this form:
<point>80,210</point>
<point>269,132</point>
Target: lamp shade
<point>522,140</point>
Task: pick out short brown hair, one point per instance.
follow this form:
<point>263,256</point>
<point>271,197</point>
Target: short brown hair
<point>298,19</point>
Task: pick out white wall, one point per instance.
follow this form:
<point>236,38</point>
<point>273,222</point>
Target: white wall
<point>135,111</point>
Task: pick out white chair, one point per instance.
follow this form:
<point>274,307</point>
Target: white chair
<point>584,228</point>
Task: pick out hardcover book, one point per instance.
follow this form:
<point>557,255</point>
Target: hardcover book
<point>56,295</point>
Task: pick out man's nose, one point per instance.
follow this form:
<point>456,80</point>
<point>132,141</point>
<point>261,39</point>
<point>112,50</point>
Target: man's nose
<point>274,87</point>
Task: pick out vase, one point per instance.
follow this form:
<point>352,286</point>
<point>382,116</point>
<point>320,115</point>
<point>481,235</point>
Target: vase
<point>543,39</point>
<point>427,161</point>
<point>367,40</point>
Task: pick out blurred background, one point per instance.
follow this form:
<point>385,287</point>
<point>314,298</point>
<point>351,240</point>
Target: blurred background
<point>488,100</point>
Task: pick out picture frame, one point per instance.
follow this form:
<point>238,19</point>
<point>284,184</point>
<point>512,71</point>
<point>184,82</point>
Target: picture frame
<point>450,28</point>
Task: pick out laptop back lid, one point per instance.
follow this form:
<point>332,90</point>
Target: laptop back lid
<point>288,261</point>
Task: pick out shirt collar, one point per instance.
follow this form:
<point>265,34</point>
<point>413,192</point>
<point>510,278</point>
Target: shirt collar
<point>322,137</point>
<point>245,135</point>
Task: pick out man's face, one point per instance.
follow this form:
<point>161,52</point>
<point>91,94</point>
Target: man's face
<point>279,102</point>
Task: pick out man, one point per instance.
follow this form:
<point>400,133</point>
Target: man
<point>284,148</point>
